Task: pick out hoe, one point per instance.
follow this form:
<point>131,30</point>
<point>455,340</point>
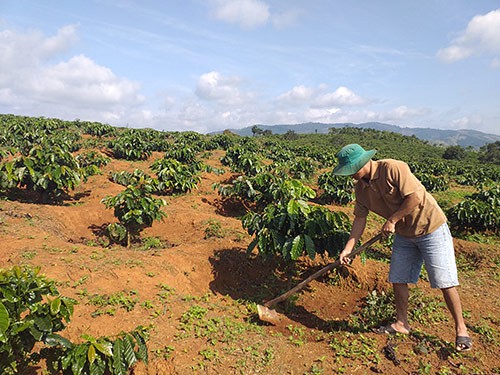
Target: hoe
<point>266,314</point>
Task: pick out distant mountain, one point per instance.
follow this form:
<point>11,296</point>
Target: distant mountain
<point>463,137</point>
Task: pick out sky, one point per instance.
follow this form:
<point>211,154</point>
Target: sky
<point>210,65</point>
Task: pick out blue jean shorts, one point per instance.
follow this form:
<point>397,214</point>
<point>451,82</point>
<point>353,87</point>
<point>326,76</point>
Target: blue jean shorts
<point>435,250</point>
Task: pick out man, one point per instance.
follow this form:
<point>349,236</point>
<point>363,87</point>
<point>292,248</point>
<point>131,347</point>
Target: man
<point>388,188</point>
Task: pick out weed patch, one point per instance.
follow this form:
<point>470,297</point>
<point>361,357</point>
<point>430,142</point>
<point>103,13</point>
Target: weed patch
<point>108,304</point>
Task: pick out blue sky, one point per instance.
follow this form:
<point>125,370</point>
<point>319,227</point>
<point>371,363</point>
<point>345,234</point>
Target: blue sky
<point>207,65</point>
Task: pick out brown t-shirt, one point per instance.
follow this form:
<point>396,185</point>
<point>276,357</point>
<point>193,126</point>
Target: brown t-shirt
<point>390,181</point>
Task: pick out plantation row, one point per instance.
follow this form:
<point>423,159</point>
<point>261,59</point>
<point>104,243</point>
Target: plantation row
<point>50,157</point>
<point>283,181</point>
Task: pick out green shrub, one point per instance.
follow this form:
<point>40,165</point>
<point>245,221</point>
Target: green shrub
<point>136,208</point>
<point>478,212</point>
<point>290,226</point>
<point>31,310</point>
<point>175,176</point>
<point>131,145</point>
<point>336,189</point>
<point>433,183</point>
<point>49,171</point>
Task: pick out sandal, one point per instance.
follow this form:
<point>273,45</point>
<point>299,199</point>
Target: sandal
<point>388,329</point>
<point>463,343</point>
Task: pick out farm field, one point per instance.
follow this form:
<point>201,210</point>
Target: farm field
<point>188,280</point>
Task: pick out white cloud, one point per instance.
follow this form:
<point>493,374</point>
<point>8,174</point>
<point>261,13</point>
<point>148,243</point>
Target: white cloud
<point>213,86</point>
<point>403,113</point>
<point>482,36</point>
<point>82,81</point>
<point>467,122</point>
<point>34,83</point>
<point>248,14</point>
<point>321,115</point>
<point>343,96</point>
<point>320,98</point>
<point>297,95</point>
<point>27,49</point>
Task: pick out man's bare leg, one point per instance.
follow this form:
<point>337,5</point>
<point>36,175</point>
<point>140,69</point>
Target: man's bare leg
<point>401,294</point>
<point>454,305</point>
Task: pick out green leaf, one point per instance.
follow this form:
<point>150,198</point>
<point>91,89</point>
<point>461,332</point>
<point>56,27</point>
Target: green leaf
<point>286,249</point>
<point>4,319</point>
<point>252,245</point>
<point>118,365</point>
<point>128,350</point>
<point>53,339</point>
<point>297,246</point>
<point>105,348</point>
<point>91,354</point>
<point>80,359</point>
<point>98,367</point>
<point>37,335</point>
<point>292,207</point>
<point>141,342</point>
<point>55,306</point>
<point>310,248</point>
<point>43,323</point>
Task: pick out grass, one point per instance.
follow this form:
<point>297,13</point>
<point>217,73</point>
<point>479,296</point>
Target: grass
<point>297,335</point>
<point>108,304</point>
<point>149,243</point>
<point>351,346</point>
<point>29,254</point>
<point>452,196</point>
<point>214,229</point>
<point>378,309</point>
<point>228,339</point>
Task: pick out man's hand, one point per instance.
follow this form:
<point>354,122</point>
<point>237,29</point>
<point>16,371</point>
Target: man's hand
<point>388,228</point>
<point>343,257</point>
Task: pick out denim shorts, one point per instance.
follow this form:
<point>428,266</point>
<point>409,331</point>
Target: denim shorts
<point>435,250</point>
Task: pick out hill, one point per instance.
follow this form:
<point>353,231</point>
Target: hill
<point>462,137</point>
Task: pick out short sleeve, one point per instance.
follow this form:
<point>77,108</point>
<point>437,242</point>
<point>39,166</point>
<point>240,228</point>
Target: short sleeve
<point>360,210</point>
<point>406,181</point>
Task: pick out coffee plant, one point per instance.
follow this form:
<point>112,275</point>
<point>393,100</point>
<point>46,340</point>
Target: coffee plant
<point>258,189</point>
<point>90,162</point>
<point>336,189</point>
<point>24,133</point>
<point>243,160</point>
<point>136,208</point>
<point>433,183</point>
<point>49,171</point>
<point>97,129</point>
<point>301,168</point>
<point>478,212</point>
<point>33,311</point>
<point>175,176</point>
<point>131,145</point>
<point>103,355</point>
<point>126,178</point>
<point>183,153</point>
<point>291,227</point>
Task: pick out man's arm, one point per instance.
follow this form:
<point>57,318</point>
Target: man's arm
<point>358,227</point>
<point>409,204</point>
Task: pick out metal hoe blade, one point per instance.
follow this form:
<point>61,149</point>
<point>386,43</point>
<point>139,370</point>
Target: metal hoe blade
<point>268,315</point>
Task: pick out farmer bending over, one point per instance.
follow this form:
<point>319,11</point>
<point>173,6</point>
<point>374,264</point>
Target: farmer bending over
<point>388,188</point>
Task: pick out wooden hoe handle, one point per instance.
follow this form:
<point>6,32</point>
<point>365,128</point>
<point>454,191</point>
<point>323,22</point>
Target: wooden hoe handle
<point>321,272</point>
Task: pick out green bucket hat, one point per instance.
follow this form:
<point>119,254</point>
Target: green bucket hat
<point>351,159</point>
